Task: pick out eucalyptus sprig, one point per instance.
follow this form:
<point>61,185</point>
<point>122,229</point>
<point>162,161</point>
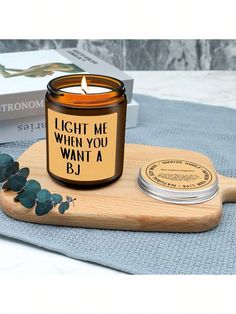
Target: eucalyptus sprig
<point>29,192</point>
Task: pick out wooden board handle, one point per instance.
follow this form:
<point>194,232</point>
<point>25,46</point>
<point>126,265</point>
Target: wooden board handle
<point>228,188</point>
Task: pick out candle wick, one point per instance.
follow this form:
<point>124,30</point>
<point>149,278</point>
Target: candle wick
<point>83,90</point>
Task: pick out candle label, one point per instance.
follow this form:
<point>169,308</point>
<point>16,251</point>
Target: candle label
<point>82,148</point>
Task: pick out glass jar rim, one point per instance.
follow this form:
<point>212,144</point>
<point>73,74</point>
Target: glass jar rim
<point>55,89</point>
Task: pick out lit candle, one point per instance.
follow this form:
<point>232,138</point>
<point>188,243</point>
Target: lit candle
<point>85,129</point>
<point>85,89</point>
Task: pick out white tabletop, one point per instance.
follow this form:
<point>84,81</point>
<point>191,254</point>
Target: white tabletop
<point>213,88</point>
<point>217,88</point>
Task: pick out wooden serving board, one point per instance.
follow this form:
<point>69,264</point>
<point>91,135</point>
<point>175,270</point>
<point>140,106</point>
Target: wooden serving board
<point>122,205</point>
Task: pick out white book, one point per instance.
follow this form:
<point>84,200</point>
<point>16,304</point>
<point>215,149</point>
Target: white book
<point>24,77</point>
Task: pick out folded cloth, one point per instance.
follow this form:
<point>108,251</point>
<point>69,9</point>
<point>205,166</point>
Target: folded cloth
<point>207,129</point>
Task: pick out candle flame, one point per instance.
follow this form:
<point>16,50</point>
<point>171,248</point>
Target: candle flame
<point>84,86</point>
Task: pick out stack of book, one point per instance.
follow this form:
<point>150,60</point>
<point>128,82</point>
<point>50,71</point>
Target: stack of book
<point>23,82</point>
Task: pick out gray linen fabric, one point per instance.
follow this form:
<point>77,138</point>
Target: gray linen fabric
<point>207,129</point>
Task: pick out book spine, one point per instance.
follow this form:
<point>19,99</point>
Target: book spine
<point>15,106</point>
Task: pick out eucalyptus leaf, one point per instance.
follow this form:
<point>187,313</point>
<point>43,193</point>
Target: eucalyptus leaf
<point>7,171</point>
<point>43,208</point>
<point>13,169</point>
<point>16,182</point>
<point>56,198</point>
<point>63,207</point>
<point>32,186</point>
<point>24,172</point>
<point>43,196</point>
<point>27,199</point>
<point>3,174</point>
<point>6,160</point>
<point>6,163</point>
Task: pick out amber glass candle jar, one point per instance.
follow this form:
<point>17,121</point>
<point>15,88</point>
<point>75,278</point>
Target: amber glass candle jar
<point>85,129</point>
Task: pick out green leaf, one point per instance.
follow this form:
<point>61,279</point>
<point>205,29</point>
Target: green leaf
<point>32,186</point>
<point>56,198</point>
<point>63,207</point>
<point>6,160</point>
<point>24,172</point>
<point>27,199</point>
<point>7,171</point>
<point>43,208</point>
<point>12,169</point>
<point>6,165</point>
<point>3,174</point>
<point>43,196</point>
<point>16,182</point>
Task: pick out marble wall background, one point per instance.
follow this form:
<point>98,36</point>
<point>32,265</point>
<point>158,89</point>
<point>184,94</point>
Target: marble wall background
<point>145,54</point>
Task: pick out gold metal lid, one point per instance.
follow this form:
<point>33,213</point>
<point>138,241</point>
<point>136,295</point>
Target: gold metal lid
<point>178,181</point>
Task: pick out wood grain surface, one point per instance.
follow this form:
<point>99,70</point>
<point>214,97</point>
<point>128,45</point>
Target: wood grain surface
<point>122,205</point>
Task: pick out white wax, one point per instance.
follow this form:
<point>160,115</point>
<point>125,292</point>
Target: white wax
<point>90,90</point>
